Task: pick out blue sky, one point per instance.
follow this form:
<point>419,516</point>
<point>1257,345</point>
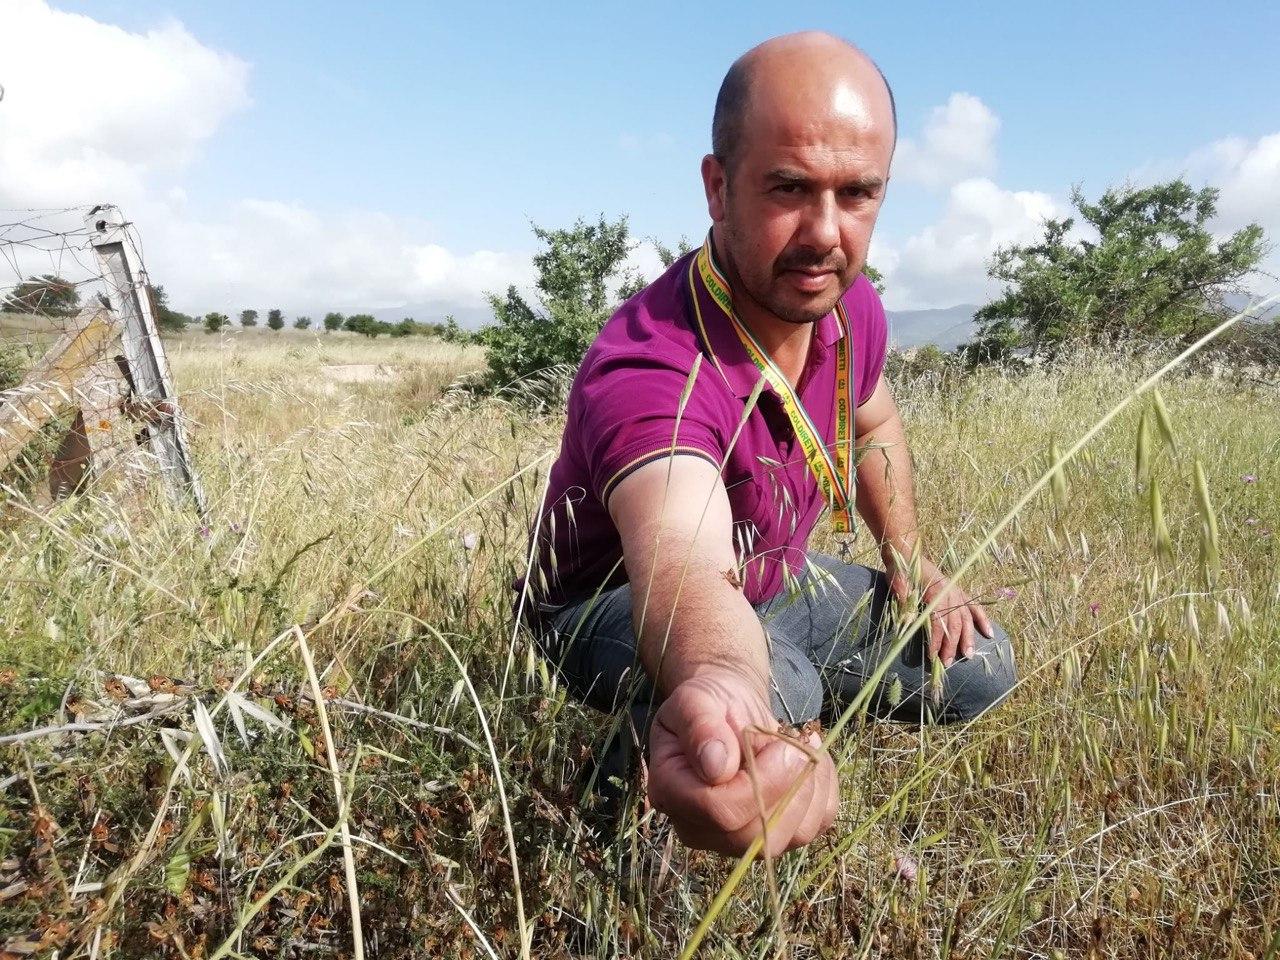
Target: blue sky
<point>451,126</point>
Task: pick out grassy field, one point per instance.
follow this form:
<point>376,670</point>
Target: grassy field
<point>1121,804</point>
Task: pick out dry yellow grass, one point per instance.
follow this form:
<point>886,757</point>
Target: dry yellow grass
<point>1121,804</point>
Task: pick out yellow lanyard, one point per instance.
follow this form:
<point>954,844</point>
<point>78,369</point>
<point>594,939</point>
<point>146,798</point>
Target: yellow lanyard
<point>835,475</point>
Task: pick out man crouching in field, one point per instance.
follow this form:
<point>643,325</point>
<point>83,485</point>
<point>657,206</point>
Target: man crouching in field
<point>675,530</point>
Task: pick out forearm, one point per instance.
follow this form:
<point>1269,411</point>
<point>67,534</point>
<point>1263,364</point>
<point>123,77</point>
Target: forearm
<point>692,621</point>
<point>689,613</point>
<point>886,489</point>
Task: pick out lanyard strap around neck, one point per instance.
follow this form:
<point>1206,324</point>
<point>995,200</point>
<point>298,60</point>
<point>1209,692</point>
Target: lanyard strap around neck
<point>834,474</point>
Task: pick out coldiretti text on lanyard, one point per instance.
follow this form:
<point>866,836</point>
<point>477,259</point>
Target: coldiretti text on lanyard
<point>834,473</point>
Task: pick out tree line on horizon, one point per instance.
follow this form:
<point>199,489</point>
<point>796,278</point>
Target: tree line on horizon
<point>1141,263</point>
<point>54,297</point>
<point>362,323</point>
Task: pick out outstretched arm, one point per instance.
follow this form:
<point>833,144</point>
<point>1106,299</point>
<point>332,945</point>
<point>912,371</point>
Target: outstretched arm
<point>674,519</point>
<point>701,641</point>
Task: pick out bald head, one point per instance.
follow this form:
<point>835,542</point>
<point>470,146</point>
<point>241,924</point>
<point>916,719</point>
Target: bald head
<point>803,141</point>
<point>784,63</point>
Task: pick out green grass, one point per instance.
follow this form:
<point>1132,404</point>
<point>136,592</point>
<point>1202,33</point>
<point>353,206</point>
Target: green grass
<point>1122,803</point>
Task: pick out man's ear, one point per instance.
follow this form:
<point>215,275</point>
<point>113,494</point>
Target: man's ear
<point>716,183</point>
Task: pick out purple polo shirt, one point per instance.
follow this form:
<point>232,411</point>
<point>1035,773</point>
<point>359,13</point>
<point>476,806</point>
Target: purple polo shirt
<point>622,414</point>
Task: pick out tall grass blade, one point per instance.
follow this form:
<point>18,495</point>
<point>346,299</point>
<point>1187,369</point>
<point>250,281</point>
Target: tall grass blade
<point>1142,452</point>
<point>1164,421</point>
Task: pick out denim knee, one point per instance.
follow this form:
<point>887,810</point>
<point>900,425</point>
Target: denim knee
<point>797,686</point>
<point>976,684</point>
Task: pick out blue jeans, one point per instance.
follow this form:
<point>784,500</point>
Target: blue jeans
<point>826,637</point>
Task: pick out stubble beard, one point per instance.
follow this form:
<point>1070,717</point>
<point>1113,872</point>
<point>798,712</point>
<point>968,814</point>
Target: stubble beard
<point>762,287</point>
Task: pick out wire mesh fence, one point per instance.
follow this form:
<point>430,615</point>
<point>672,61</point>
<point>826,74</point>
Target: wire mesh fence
<point>85,391</point>
<point>48,270</point>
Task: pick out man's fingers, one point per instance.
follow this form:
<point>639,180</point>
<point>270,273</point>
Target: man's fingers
<point>822,810</point>
<point>937,632</point>
<point>732,809</point>
<point>941,641</point>
<point>696,718</point>
<point>732,805</point>
<point>796,778</point>
<point>681,793</point>
<point>966,637</point>
<point>781,835</point>
<point>808,803</point>
<point>981,620</point>
<point>811,810</point>
<point>776,770</point>
<point>955,636</point>
<point>947,648</point>
<point>821,815</point>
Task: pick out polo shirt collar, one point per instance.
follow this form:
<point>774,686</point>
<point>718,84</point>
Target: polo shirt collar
<point>711,322</point>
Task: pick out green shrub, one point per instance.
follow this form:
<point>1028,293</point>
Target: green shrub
<point>13,363</point>
<point>925,366</point>
<point>581,274</point>
<point>1147,263</point>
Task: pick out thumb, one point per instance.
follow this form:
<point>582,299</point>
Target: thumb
<point>697,716</point>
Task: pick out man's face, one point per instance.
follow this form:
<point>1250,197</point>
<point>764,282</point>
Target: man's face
<point>795,212</point>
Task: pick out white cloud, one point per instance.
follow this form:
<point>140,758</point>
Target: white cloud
<point>1247,175</point>
<point>958,143</point>
<point>946,262</point>
<point>91,109</point>
<point>265,253</point>
<point>92,112</point>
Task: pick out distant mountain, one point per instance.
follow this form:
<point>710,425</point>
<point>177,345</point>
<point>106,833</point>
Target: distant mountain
<point>948,327</point>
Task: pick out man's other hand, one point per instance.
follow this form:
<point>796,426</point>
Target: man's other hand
<point>955,617</point>
<point>700,777</point>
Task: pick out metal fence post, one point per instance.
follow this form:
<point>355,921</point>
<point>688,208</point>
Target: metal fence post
<point>115,244</point>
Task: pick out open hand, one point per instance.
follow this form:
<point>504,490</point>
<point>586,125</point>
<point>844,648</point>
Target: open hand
<point>954,617</point>
<point>700,776</point>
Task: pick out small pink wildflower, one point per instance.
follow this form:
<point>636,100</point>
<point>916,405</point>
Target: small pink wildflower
<point>905,866</point>
<point>205,532</point>
<point>1248,478</point>
<point>1006,593</point>
<point>1094,607</point>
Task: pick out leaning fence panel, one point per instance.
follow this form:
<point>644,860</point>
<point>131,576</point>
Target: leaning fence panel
<point>85,390</point>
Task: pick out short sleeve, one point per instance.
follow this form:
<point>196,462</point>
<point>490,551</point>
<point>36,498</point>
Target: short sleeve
<point>628,413</point>
<point>871,338</point>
